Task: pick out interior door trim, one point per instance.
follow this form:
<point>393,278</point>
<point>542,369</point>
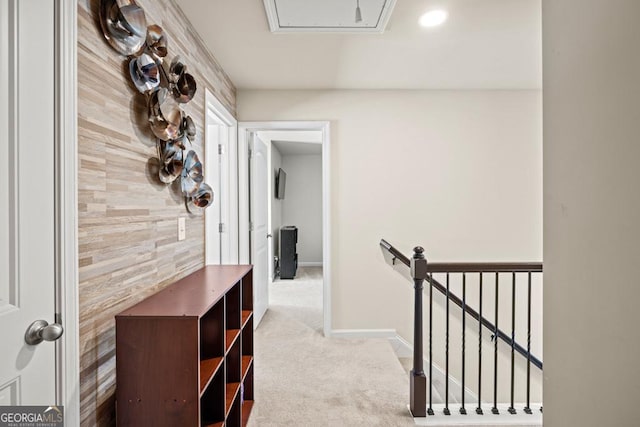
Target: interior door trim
<point>66,144</point>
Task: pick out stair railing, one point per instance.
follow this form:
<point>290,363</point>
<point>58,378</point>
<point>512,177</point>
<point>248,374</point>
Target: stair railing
<point>421,270</point>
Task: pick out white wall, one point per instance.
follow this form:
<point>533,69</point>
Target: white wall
<point>459,173</point>
<point>302,205</point>
<point>591,212</point>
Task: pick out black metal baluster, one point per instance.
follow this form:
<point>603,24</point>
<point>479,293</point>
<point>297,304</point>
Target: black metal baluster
<point>512,410</point>
<point>446,355</point>
<point>463,411</point>
<point>479,408</point>
<point>527,409</point>
<point>430,409</point>
<point>494,410</point>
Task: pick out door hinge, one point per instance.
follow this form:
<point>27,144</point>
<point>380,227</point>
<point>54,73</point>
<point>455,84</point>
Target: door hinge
<point>220,149</point>
<point>250,153</point>
<point>221,227</point>
<point>251,226</point>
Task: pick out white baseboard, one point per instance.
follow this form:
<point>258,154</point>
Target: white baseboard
<point>401,346</point>
<point>310,264</point>
<point>405,349</point>
<point>363,333</point>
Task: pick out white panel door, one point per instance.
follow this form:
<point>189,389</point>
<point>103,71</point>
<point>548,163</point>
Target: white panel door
<point>27,191</point>
<point>259,220</point>
<point>221,229</point>
<point>213,177</point>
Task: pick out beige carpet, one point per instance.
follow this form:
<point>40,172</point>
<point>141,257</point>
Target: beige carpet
<point>304,379</point>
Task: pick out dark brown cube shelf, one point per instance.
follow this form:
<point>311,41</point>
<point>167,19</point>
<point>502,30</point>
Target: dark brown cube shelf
<point>232,336</point>
<point>184,356</point>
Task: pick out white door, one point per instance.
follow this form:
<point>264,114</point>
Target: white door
<point>215,176</point>
<point>222,174</point>
<point>27,208</point>
<point>259,225</point>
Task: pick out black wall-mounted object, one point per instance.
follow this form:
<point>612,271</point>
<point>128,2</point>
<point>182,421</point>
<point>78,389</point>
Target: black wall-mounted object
<point>281,182</point>
<point>288,255</point>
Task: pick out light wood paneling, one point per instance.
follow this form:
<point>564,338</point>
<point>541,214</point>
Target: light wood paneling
<point>127,219</point>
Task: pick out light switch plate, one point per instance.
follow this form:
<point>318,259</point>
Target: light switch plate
<point>182,228</point>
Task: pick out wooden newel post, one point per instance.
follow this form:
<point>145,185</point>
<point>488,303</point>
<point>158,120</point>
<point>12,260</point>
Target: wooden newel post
<point>418,380</point>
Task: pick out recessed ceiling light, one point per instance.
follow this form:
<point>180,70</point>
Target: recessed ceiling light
<point>433,18</point>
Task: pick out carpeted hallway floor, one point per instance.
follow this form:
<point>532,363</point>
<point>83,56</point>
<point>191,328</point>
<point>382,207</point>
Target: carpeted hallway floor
<point>305,379</point>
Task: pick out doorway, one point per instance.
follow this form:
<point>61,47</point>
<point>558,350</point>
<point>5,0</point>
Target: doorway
<point>296,225</point>
<point>250,136</point>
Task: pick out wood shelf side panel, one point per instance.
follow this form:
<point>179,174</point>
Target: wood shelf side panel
<point>147,353</point>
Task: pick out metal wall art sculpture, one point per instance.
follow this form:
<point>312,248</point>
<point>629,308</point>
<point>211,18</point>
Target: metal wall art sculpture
<point>124,25</point>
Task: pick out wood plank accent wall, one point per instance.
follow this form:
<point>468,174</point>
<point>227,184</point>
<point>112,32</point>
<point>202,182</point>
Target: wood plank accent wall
<point>127,219</point>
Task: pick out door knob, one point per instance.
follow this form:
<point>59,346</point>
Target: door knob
<point>41,330</point>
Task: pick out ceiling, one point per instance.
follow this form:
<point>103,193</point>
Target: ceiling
<point>485,44</point>
<point>290,142</point>
<point>292,148</point>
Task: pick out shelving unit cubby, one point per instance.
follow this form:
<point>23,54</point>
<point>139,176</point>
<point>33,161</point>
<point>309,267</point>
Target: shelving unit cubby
<point>184,356</point>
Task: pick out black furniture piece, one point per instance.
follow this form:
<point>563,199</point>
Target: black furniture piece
<point>288,255</point>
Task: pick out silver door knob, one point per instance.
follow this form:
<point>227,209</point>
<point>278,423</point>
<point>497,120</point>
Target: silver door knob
<point>41,330</point>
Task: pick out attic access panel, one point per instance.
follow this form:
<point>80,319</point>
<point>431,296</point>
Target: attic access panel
<point>335,16</point>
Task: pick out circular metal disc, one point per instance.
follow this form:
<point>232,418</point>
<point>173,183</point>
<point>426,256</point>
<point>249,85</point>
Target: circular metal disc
<point>171,171</point>
<point>176,69</point>
<point>171,150</point>
<point>124,25</point>
<point>185,88</point>
<point>191,174</point>
<point>188,126</point>
<point>144,73</point>
<point>157,41</point>
<point>201,199</point>
<point>165,116</point>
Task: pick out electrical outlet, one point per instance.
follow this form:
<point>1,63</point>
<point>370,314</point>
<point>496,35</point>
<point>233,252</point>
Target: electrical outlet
<point>182,228</point>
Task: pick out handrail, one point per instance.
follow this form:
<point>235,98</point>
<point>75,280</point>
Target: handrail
<point>484,267</point>
<point>473,268</point>
<point>396,253</point>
